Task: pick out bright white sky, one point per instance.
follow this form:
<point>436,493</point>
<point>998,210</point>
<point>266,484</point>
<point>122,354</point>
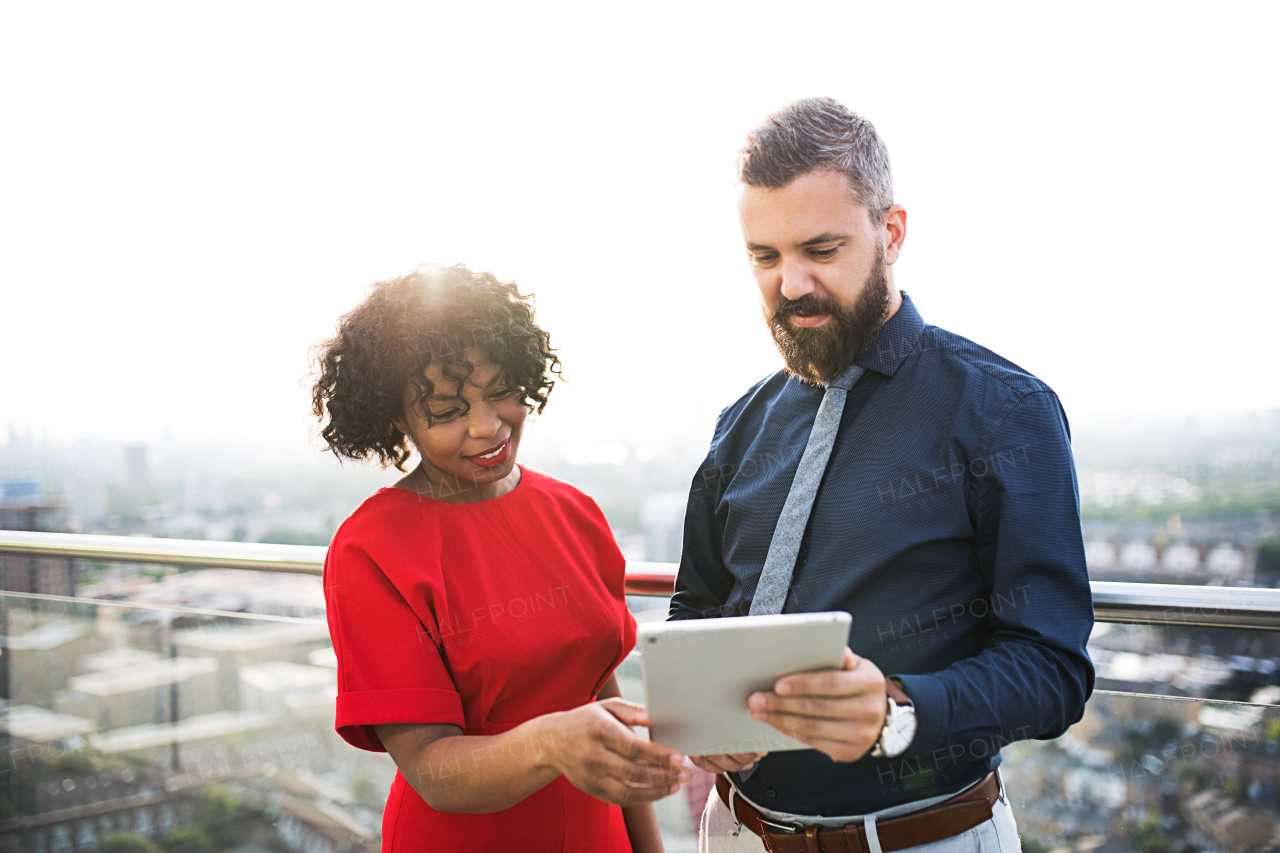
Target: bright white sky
<point>192,193</point>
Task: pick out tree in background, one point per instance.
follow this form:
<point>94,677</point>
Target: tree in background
<point>220,816</point>
<point>190,840</point>
<point>1148,837</point>
<point>127,842</point>
<point>1268,568</point>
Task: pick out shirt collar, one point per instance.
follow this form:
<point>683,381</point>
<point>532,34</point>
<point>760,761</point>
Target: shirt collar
<point>896,340</point>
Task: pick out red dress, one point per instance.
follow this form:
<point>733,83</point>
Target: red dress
<point>483,616</point>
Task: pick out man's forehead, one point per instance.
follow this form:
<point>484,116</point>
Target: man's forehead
<point>807,207</point>
<point>828,182</point>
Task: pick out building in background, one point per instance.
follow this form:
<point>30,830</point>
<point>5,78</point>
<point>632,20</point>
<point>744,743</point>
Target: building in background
<point>23,506</point>
<point>135,466</point>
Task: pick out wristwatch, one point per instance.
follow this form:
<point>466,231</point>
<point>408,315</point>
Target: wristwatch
<point>899,723</point>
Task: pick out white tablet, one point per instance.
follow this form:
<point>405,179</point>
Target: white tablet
<point>698,674</point>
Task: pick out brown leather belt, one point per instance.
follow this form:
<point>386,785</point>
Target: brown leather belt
<point>963,812</point>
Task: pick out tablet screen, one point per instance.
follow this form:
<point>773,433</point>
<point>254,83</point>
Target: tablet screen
<point>698,674</point>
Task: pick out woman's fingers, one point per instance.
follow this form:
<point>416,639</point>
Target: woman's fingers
<point>648,775</point>
<point>621,794</point>
<point>616,780</point>
<point>614,790</point>
<point>622,741</point>
<point>628,713</point>
<point>609,762</point>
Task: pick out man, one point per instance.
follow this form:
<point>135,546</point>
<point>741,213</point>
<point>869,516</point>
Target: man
<point>898,472</point>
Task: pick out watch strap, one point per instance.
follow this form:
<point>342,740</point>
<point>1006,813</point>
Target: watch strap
<point>896,693</point>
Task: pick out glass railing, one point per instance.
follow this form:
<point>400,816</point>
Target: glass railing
<point>141,706</point>
<point>124,720</point>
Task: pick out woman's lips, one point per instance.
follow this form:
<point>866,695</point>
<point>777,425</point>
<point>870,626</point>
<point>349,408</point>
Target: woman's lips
<point>493,456</point>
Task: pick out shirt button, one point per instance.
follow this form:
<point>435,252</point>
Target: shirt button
<point>803,559</point>
<point>771,792</point>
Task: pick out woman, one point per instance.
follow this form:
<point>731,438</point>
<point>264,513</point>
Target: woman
<point>476,607</point>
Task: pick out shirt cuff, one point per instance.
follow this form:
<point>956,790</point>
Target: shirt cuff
<point>359,711</point>
<point>933,712</point>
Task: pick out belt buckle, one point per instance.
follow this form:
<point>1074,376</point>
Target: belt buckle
<point>780,827</point>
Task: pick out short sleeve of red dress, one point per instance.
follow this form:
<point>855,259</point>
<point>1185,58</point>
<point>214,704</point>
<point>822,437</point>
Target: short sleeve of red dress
<point>390,668</point>
<point>482,616</point>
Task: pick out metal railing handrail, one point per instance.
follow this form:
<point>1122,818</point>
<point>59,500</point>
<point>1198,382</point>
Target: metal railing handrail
<point>194,553</point>
<point>1128,603</point>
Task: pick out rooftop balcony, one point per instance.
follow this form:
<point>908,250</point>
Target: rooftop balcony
<point>163,703</point>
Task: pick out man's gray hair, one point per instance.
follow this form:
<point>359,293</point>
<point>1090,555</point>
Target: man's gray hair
<point>819,133</point>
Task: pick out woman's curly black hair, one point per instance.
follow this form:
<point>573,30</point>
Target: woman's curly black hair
<point>430,314</point>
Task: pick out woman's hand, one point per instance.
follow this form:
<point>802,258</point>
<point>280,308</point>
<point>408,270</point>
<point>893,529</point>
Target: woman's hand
<point>590,746</point>
<point>600,755</point>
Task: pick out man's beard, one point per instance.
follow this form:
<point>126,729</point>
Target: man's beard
<point>820,354</point>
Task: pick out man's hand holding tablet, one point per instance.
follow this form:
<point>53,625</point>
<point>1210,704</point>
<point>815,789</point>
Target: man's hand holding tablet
<point>839,712</point>
<point>699,675</point>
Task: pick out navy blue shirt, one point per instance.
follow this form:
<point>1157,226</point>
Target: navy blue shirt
<point>947,524</point>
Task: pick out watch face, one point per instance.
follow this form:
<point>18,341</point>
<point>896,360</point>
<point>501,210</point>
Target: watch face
<point>897,736</point>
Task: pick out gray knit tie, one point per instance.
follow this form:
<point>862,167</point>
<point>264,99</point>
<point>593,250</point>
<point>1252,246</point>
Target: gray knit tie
<point>780,564</point>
